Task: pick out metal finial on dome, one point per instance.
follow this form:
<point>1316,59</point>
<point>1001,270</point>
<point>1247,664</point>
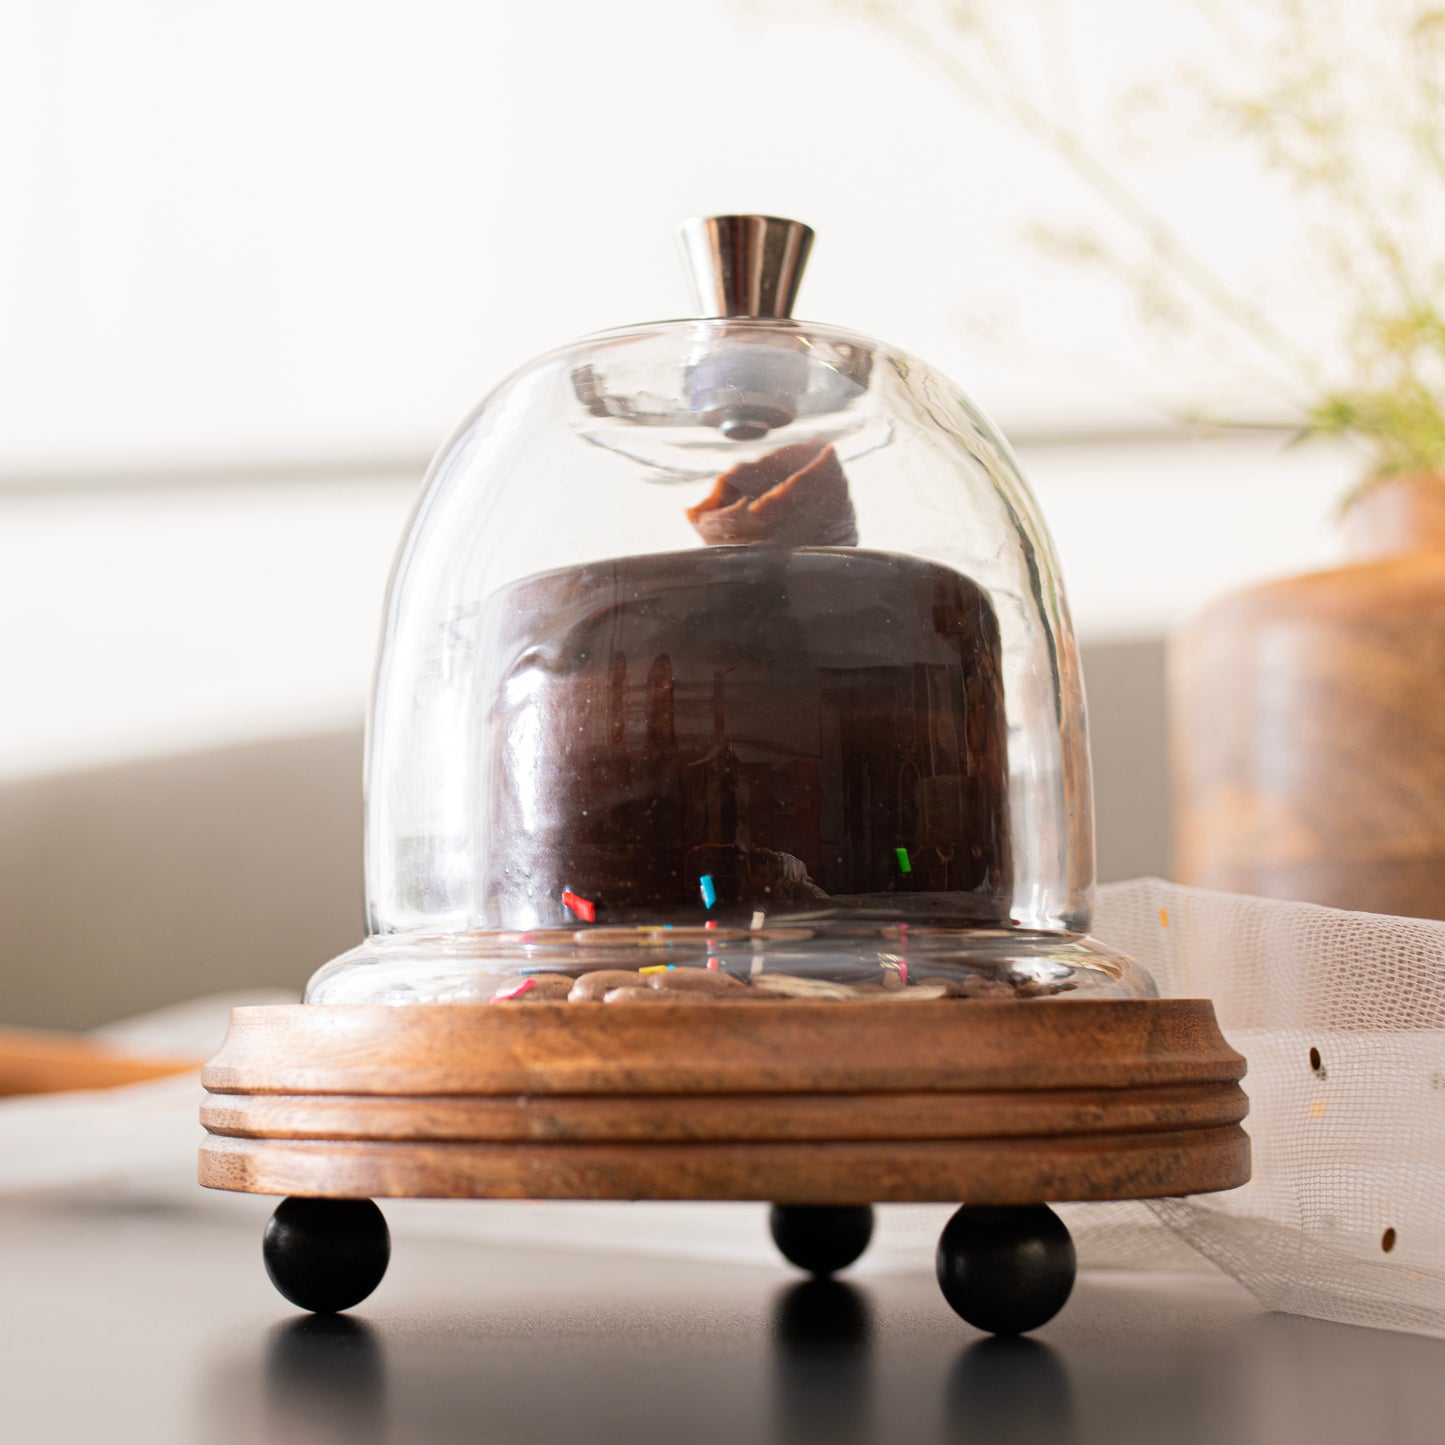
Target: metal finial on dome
<point>744,265</point>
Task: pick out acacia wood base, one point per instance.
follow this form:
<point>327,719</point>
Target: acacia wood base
<point>993,1102</point>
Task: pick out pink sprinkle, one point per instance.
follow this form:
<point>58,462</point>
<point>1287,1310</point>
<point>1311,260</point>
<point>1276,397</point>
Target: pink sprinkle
<point>584,908</point>
<point>903,969</point>
<point>516,990</point>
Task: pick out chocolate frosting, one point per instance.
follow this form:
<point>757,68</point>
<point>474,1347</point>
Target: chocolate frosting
<point>783,721</point>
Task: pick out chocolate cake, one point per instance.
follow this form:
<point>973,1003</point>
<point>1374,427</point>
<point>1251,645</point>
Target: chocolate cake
<point>785,729</point>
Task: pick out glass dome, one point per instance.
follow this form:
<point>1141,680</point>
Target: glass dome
<point>727,658</point>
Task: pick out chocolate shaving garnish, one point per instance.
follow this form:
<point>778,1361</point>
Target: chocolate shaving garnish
<point>796,496</point>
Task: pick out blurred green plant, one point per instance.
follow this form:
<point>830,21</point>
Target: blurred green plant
<point>1341,100</point>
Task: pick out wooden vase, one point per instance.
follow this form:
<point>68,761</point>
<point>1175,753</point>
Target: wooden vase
<point>1307,722</point>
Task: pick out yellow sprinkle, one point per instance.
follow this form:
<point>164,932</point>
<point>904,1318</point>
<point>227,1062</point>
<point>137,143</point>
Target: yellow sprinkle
<point>1317,1109</point>
<point>655,968</point>
<point>1163,918</point>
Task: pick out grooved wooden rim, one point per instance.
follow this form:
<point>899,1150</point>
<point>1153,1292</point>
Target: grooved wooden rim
<point>754,1048</point>
<point>720,1118</point>
<point>1002,1102</point>
<point>982,1171</point>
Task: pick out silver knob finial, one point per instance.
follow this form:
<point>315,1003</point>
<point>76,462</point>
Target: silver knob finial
<point>744,265</point>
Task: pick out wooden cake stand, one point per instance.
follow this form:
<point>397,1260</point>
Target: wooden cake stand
<point>821,1108</point>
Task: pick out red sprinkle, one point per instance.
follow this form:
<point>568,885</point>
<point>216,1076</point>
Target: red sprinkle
<point>516,990</point>
<point>711,923</point>
<point>584,908</point>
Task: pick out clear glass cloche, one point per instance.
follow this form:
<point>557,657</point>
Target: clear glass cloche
<point>727,659</point>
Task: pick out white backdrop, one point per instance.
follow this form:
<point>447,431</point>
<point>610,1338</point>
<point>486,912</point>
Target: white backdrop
<point>256,260</point>
<point>319,228</point>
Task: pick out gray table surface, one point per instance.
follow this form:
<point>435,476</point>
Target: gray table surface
<point>125,1323</point>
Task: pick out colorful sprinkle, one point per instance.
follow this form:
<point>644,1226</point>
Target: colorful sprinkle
<point>1163,918</point>
<point>515,991</point>
<point>713,962</point>
<point>758,918</point>
<point>711,923</point>
<point>904,866</point>
<point>584,908</point>
<point>709,893</point>
<point>657,968</point>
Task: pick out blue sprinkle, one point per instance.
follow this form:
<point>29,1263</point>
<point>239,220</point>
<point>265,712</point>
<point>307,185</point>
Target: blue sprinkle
<point>709,893</point>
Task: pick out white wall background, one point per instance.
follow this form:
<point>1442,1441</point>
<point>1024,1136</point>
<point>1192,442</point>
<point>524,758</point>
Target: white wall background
<point>320,227</point>
<point>255,260</point>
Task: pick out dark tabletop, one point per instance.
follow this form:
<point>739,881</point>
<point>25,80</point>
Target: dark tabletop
<point>126,1323</point>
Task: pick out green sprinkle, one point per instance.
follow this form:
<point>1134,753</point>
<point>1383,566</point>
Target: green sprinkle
<point>904,866</point>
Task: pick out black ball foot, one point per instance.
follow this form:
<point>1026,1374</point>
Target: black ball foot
<point>326,1255</point>
<point>821,1238</point>
<point>1006,1270</point>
